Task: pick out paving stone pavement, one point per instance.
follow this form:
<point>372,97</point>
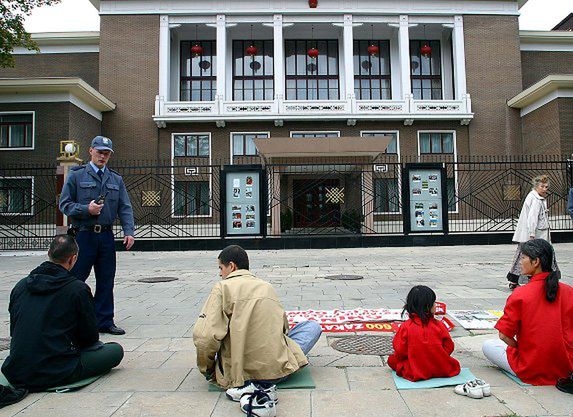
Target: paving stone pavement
<point>158,376</point>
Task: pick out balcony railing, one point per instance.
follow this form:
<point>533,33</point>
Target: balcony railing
<point>221,111</point>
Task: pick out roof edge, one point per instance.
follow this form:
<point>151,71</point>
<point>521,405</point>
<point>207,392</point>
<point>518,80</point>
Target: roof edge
<point>545,36</point>
<point>541,89</point>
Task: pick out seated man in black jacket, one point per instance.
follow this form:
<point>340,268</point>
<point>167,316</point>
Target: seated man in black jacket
<point>55,339</point>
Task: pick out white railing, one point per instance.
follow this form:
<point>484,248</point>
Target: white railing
<point>220,110</point>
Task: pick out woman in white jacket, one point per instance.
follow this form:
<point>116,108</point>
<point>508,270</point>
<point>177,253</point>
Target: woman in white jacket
<point>533,223</point>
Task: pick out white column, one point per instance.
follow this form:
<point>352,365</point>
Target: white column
<point>279,57</point>
<point>348,57</point>
<point>404,47</point>
<point>459,58</point>
<point>221,56</point>
<point>164,54</point>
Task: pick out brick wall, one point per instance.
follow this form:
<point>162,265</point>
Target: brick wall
<point>541,133</point>
<point>83,65</point>
<point>566,126</point>
<point>539,64</point>
<point>129,74</point>
<point>493,66</point>
<point>83,128</point>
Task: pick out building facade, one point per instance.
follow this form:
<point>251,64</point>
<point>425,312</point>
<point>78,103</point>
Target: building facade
<point>196,84</point>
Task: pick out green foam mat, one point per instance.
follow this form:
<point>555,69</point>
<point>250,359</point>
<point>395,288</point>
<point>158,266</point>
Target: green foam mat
<point>301,379</point>
<point>515,378</point>
<point>464,376</point>
<point>63,388</point>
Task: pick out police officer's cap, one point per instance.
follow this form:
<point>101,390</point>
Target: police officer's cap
<point>101,143</point>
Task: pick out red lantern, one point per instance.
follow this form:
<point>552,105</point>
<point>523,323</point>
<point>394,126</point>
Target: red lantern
<point>196,50</point>
<point>426,50</point>
<point>252,50</point>
<point>373,50</point>
<point>312,4</point>
<point>313,52</point>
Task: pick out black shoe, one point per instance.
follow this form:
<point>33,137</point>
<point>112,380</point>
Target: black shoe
<point>113,329</point>
<point>9,395</point>
<point>565,384</point>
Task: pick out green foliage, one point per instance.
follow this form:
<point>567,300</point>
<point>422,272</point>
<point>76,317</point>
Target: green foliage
<point>352,220</point>
<point>12,32</point>
<point>286,220</point>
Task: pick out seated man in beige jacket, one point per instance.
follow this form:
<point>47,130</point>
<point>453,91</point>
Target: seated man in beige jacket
<point>242,334</point>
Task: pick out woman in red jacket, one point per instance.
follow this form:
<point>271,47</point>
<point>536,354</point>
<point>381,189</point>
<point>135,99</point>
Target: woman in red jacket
<point>536,329</point>
<point>423,345</point>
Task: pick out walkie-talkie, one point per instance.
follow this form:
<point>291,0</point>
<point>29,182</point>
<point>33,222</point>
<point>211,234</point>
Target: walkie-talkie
<point>101,198</point>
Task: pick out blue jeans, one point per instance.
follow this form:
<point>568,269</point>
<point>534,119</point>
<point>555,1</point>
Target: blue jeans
<point>306,334</point>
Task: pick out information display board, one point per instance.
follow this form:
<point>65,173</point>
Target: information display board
<point>242,189</point>
<point>426,199</point>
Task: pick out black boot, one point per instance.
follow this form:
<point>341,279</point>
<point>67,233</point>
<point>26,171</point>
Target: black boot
<point>9,395</point>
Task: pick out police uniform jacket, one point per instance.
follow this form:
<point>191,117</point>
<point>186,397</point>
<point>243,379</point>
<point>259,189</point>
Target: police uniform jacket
<point>84,185</point>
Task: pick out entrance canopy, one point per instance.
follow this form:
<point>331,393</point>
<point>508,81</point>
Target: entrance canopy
<point>314,147</point>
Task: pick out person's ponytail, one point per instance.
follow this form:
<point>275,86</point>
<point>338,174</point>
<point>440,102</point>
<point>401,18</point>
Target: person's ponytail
<point>552,286</point>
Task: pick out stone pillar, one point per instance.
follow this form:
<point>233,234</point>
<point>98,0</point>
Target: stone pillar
<point>368,200</point>
<point>349,57</point>
<point>459,59</point>
<point>164,54</point>
<point>221,57</point>
<point>404,47</point>
<point>68,159</point>
<point>279,57</point>
<point>274,201</point>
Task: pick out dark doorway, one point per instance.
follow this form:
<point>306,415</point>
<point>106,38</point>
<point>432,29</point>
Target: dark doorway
<point>311,208</point>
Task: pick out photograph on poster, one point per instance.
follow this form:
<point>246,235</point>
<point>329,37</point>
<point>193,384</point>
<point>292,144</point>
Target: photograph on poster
<point>416,177</point>
<point>433,222</point>
<point>433,177</point>
<point>250,216</point>
<point>236,207</point>
<point>237,215</point>
<point>237,224</point>
<point>249,192</point>
<point>420,222</point>
<point>249,180</point>
<point>419,205</point>
<point>236,182</point>
<point>433,191</point>
<point>433,214</point>
<point>250,223</point>
<point>433,206</point>
<point>416,191</point>
<point>236,192</point>
<point>250,207</point>
<point>419,213</point>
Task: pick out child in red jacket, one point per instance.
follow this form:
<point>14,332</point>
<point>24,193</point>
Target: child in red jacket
<point>422,345</point>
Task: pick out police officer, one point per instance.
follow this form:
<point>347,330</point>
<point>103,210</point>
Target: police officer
<point>92,220</point>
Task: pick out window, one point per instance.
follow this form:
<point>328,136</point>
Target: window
<point>372,73</point>
<point>426,72</point>
<point>253,77</point>
<point>15,195</point>
<point>243,144</point>
<point>198,73</point>
<point>191,198</point>
<point>16,130</point>
<point>386,197</point>
<point>435,142</point>
<point>314,134</point>
<point>392,146</point>
<point>191,145</point>
<point>311,78</point>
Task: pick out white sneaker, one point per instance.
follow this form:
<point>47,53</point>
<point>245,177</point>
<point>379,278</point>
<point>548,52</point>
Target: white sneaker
<point>485,387</point>
<point>469,389</point>
<point>235,394</point>
<point>258,404</point>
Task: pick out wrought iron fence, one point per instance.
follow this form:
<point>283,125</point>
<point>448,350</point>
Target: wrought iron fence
<point>323,196</point>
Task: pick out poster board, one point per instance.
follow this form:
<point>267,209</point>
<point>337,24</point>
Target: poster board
<point>425,197</point>
<point>242,198</point>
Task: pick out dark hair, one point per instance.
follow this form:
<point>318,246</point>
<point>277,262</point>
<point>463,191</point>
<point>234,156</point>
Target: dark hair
<point>62,247</point>
<point>542,250</point>
<point>235,254</point>
<point>420,301</point>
